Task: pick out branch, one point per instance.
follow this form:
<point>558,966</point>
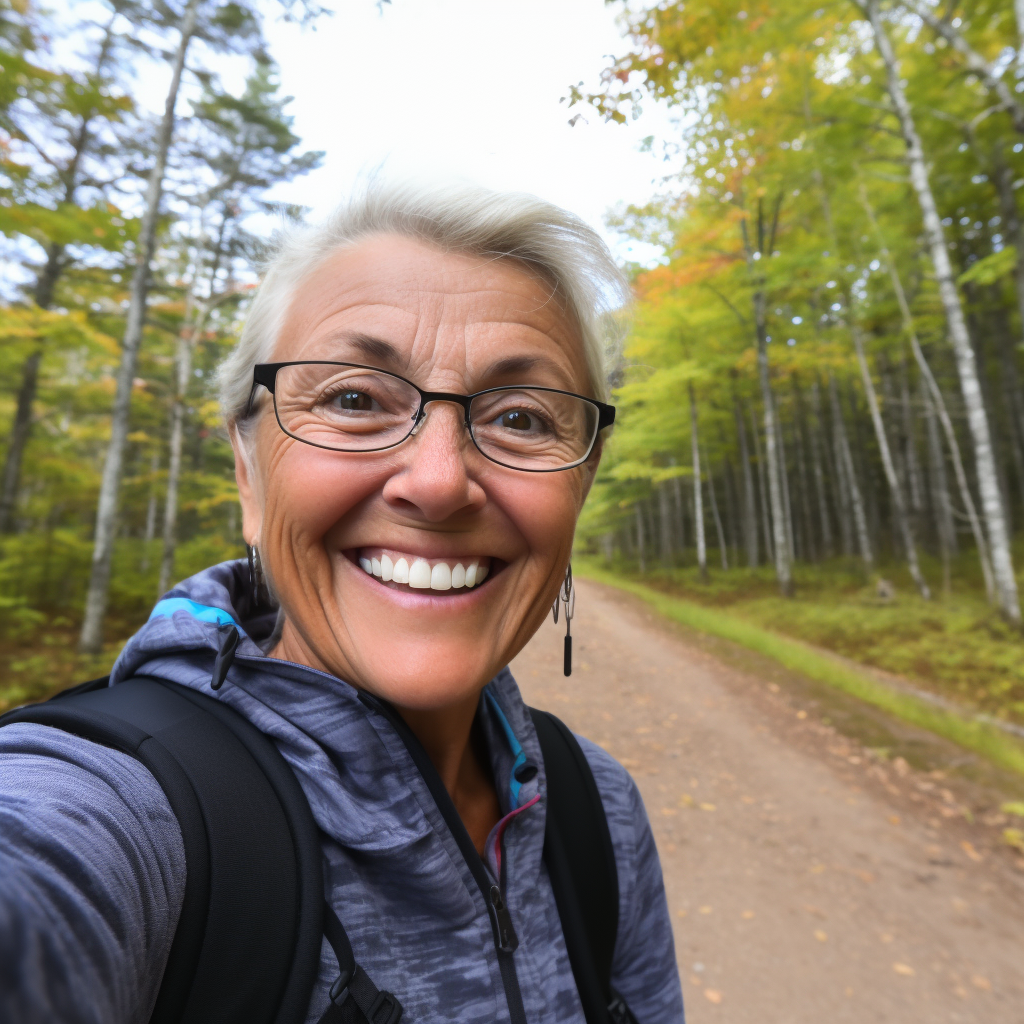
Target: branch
<point>972,59</point>
<point>739,316</point>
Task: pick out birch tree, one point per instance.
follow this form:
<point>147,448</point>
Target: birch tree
<point>991,499</point>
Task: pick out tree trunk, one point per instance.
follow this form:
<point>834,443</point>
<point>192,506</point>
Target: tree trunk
<point>991,500</point>
<point>766,523</point>
<point>20,431</point>
<point>749,497</point>
<point>787,505</point>
<point>698,498</point>
<point>944,527</point>
<point>780,533</point>
<point>917,500</point>
<point>46,282</point>
<point>183,366</point>
<point>154,467</point>
<point>941,411</point>
<point>844,459</point>
<point>680,516</point>
<point>896,492</point>
<point>800,433</point>
<point>717,518</point>
<point>640,542</point>
<point>819,473</point>
<point>665,522</point>
<point>91,638</point>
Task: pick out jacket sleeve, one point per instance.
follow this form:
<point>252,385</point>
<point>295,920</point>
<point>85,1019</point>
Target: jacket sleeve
<point>92,874</point>
<point>644,970</point>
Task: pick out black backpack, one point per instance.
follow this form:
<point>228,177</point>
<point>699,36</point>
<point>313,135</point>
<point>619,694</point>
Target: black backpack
<point>247,945</point>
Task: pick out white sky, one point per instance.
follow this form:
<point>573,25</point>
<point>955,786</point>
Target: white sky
<point>470,88</point>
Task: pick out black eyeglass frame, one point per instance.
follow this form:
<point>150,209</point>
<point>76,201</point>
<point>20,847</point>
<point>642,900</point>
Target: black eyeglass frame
<point>265,375</point>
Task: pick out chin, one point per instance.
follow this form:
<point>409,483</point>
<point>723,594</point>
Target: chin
<point>428,680</point>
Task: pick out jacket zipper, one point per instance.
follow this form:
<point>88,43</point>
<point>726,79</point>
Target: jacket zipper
<point>505,939</point>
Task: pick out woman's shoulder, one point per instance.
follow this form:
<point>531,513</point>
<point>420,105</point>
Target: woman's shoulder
<point>92,871</point>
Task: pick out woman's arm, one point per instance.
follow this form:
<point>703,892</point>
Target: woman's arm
<point>92,873</point>
<point>644,971</point>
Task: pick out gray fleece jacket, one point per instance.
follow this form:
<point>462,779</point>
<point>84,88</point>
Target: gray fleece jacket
<point>92,867</point>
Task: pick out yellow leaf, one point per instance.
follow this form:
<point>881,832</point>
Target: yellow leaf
<point>905,969</point>
<point>712,995</point>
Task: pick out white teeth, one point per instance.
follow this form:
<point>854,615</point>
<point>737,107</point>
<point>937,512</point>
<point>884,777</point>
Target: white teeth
<point>419,574</point>
<point>422,576</point>
<point>441,577</point>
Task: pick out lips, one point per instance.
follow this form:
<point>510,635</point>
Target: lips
<point>418,573</point>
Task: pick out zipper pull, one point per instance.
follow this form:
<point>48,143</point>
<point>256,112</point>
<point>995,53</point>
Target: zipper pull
<point>508,941</point>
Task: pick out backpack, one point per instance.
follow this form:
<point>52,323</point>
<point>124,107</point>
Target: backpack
<point>247,944</point>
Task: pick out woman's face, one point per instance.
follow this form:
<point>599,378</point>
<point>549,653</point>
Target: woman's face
<point>447,322</point>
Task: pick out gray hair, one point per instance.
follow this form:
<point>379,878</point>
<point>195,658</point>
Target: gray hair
<point>456,218</point>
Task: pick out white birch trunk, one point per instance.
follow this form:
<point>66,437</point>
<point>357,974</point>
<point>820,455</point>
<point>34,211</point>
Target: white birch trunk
<point>91,638</point>
<point>844,458</point>
<point>941,411</point>
<point>717,518</point>
<point>991,498</point>
<point>698,497</point>
<point>895,490</point>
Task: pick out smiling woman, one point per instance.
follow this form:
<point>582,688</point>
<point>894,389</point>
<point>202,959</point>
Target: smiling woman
<point>416,406</point>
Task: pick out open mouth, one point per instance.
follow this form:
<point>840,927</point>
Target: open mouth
<point>403,570</point>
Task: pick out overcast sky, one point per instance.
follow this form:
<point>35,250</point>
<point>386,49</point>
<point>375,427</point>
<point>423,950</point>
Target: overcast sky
<point>464,87</point>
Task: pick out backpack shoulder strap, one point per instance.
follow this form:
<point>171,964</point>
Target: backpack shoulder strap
<point>580,860</point>
<point>247,946</point>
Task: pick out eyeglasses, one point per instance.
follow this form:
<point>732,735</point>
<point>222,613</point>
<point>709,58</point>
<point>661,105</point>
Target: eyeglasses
<point>347,407</point>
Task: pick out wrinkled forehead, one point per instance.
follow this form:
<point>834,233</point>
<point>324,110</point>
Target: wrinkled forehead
<point>442,319</point>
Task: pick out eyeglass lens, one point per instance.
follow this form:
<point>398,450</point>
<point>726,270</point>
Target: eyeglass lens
<point>347,408</point>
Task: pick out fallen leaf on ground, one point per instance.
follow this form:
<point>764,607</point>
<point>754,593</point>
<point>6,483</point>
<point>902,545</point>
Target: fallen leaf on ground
<point>905,969</point>
<point>686,800</point>
<point>801,714</point>
<point>817,869</point>
<point>821,936</point>
<point>669,810</point>
<point>968,848</point>
<point>704,910</point>
<point>747,915</point>
<point>707,807</point>
<point>894,819</point>
<point>680,913</point>
<point>979,982</point>
<point>1014,837</point>
<point>1014,807</point>
<point>712,995</point>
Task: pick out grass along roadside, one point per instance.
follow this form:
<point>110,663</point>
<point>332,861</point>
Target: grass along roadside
<point>972,733</point>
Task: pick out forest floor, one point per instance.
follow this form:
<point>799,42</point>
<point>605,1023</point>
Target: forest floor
<point>823,861</point>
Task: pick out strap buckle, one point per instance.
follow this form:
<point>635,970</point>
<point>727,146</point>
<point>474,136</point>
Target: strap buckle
<point>386,1009</point>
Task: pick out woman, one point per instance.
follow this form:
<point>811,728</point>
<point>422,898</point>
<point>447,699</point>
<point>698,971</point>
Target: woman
<point>412,540</point>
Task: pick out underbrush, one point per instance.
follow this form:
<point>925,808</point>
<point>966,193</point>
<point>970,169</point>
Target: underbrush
<point>954,645</point>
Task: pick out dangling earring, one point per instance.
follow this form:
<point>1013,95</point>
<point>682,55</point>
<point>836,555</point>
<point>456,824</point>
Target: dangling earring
<point>257,579</point>
<point>567,595</point>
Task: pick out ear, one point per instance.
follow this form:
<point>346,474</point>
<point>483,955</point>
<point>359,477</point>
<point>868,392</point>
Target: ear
<point>247,478</point>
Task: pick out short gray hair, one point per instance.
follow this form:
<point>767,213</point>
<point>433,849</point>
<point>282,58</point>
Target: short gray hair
<point>456,218</point>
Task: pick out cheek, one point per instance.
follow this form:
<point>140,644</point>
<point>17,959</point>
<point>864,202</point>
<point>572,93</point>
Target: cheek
<point>544,508</point>
<point>307,490</point>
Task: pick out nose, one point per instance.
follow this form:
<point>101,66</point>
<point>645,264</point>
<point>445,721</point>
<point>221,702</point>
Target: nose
<point>434,482</point>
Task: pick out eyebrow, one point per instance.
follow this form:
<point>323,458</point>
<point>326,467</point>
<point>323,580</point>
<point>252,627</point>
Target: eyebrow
<point>375,348</point>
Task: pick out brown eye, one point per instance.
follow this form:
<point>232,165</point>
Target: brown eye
<point>353,401</point>
<point>517,420</point>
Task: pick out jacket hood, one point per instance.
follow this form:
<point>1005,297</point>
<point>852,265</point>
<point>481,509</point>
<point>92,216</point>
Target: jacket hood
<point>361,783</point>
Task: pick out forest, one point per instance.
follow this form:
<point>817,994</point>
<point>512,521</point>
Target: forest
<point>821,422</point>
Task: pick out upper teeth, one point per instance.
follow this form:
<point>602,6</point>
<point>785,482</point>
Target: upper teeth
<point>420,574</point>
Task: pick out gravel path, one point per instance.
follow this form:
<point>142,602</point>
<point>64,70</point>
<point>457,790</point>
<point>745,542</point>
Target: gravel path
<point>809,882</point>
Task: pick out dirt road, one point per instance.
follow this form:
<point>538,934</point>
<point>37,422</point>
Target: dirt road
<point>809,882</point>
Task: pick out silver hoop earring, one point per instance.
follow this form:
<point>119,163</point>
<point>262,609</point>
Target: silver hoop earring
<point>567,596</point>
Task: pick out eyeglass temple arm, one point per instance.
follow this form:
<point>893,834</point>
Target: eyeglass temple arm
<point>605,415</point>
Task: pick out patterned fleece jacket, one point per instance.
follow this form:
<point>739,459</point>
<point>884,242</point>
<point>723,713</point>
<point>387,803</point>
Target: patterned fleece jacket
<point>92,867</point>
